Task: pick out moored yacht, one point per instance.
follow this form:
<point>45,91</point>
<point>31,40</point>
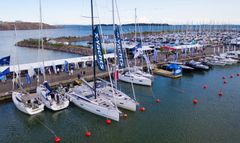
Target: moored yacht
<point>52,99</point>
<point>83,96</point>
<point>27,103</point>
<point>134,78</point>
<point>197,65</point>
<point>122,100</point>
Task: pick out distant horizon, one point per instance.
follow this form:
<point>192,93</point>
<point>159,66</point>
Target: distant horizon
<point>116,24</point>
<point>72,12</point>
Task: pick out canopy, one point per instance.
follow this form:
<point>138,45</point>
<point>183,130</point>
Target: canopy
<point>173,66</point>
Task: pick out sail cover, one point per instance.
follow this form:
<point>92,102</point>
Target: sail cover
<point>119,49</point>
<point>98,49</point>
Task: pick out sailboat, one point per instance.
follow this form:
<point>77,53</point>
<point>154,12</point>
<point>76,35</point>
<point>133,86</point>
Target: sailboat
<point>52,99</point>
<point>107,89</point>
<point>89,97</point>
<point>28,103</point>
<point>136,76</point>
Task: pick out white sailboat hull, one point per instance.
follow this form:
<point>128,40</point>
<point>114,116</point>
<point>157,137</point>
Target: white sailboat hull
<point>52,105</point>
<point>135,79</point>
<point>93,108</point>
<point>20,106</point>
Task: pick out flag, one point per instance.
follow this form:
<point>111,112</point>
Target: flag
<point>28,79</point>
<point>3,78</point>
<point>119,49</point>
<point>31,72</point>
<point>5,61</point>
<point>147,61</point>
<point>97,45</point>
<point>136,50</point>
<point>66,67</point>
<point>5,72</point>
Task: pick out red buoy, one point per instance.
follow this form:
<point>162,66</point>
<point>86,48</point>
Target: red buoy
<point>205,87</point>
<point>158,101</point>
<point>195,101</point>
<point>231,76</point>
<point>220,93</point>
<point>108,121</point>
<point>223,77</point>
<point>57,139</point>
<point>142,109</point>
<point>88,134</point>
<point>225,82</point>
<point>238,74</point>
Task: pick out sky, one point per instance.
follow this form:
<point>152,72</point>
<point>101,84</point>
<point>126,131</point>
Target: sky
<point>60,12</point>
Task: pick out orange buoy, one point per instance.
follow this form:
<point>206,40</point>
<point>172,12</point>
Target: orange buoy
<point>108,121</point>
<point>220,93</point>
<point>57,139</point>
<point>142,109</point>
<point>205,87</point>
<point>88,134</point>
<point>195,101</point>
<point>158,101</point>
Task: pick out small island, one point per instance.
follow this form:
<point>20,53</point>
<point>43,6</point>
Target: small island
<point>24,25</point>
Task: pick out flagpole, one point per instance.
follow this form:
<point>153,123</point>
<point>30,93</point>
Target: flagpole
<point>94,63</point>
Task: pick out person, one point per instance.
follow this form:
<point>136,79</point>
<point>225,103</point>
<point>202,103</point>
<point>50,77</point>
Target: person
<point>58,70</point>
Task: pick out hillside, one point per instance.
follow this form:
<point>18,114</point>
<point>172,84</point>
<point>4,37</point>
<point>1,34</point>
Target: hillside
<point>23,26</point>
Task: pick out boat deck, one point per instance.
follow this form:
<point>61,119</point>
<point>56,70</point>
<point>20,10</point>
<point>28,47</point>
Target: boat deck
<point>166,73</point>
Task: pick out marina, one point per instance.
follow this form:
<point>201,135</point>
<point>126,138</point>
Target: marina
<point>126,80</point>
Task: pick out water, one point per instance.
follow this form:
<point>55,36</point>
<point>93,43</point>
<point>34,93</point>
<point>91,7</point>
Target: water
<point>174,120</point>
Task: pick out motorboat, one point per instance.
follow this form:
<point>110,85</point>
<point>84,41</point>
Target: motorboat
<point>197,65</point>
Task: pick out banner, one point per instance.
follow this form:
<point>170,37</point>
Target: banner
<point>5,61</point>
<point>97,44</point>
<point>66,67</point>
<point>28,79</point>
<point>119,49</point>
<point>147,61</point>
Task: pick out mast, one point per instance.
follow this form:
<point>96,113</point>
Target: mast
<point>115,51</point>
<point>41,38</point>
<point>94,63</point>
<point>135,25</point>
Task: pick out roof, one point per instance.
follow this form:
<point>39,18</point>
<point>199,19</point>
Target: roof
<point>187,46</point>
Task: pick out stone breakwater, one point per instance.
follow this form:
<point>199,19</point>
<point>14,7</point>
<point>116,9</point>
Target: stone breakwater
<point>34,43</point>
